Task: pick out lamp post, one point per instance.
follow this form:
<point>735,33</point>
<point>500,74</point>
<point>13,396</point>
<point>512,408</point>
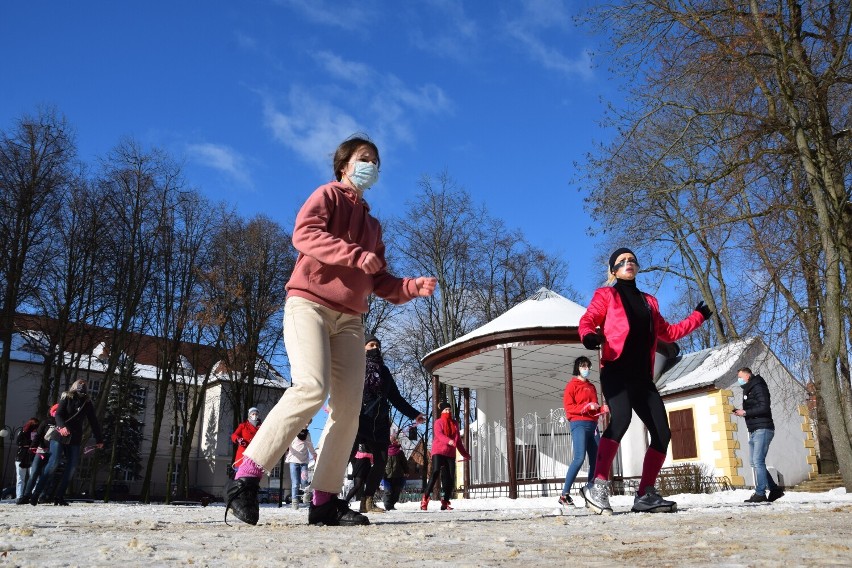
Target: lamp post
<point>11,433</point>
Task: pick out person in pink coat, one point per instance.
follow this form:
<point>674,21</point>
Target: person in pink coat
<point>341,263</point>
<point>625,324</point>
<point>446,441</point>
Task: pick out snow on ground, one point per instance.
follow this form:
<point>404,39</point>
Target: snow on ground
<point>801,529</point>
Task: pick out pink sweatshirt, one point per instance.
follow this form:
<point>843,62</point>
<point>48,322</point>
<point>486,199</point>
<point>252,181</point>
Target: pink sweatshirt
<point>334,230</point>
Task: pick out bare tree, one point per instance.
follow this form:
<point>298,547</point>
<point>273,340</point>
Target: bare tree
<point>773,80</point>
<point>36,158</point>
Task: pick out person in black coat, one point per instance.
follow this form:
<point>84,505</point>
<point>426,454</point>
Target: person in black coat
<point>41,456</point>
<point>374,424</point>
<point>757,411</point>
<point>74,406</point>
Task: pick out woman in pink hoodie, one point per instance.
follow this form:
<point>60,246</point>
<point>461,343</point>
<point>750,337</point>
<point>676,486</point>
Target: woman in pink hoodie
<point>341,262</point>
<point>446,439</point>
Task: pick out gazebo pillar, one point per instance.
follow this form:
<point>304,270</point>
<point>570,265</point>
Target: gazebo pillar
<point>436,388</point>
<point>467,423</point>
<point>510,423</point>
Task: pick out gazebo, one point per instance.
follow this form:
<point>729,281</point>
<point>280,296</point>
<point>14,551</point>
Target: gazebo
<point>529,351</point>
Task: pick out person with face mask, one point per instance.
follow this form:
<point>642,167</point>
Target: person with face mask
<point>244,434</point>
<point>341,263</point>
<point>625,323</point>
<point>446,441</point>
<point>582,409</point>
<point>75,405</point>
<point>300,453</point>
<point>757,411</point>
<point>374,423</point>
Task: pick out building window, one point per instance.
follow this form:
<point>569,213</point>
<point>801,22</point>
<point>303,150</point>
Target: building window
<point>276,472</point>
<point>176,436</point>
<point>140,398</point>
<point>94,388</point>
<point>175,475</point>
<point>683,434</point>
<point>181,401</point>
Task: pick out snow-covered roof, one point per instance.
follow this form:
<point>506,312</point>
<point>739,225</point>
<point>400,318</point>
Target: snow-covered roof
<point>705,367</point>
<point>544,309</point>
<point>542,334</point>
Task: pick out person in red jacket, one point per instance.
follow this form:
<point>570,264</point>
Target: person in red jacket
<point>445,441</point>
<point>582,409</point>
<point>630,325</point>
<point>341,263</point>
<point>244,434</point>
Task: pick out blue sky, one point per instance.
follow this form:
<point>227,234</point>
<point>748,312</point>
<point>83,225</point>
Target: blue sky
<point>254,96</point>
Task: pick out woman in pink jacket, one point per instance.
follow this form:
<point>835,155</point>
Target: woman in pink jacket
<point>341,262</point>
<point>445,441</point>
<point>631,324</point>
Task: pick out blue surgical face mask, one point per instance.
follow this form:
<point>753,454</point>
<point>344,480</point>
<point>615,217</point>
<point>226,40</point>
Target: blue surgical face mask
<point>364,175</point>
<point>742,382</point>
<point>585,373</point>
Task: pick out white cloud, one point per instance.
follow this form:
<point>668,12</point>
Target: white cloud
<point>540,19</point>
<point>310,127</point>
<point>222,158</point>
<point>347,16</point>
<point>313,121</point>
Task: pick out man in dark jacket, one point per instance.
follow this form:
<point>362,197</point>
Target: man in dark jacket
<point>757,412</point>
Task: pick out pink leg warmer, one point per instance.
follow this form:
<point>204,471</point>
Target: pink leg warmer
<point>650,469</point>
<point>248,469</point>
<point>606,453</point>
<point>321,497</point>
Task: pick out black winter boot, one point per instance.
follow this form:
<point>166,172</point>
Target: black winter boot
<point>241,495</point>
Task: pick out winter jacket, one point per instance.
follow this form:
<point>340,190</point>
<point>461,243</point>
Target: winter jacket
<point>333,233</point>
<point>246,430</point>
<point>73,408</point>
<point>576,398</point>
<point>26,444</point>
<point>444,431</point>
<point>397,464</point>
<point>380,393</point>
<point>757,404</point>
<point>607,312</point>
<point>301,450</point>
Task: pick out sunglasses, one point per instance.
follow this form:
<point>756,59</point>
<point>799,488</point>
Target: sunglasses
<point>619,265</point>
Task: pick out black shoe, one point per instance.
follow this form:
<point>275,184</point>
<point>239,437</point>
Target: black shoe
<point>335,513</point>
<point>241,495</point>
<point>62,502</point>
<point>775,494</point>
<point>565,500</point>
<point>33,500</point>
<point>652,502</point>
<point>756,498</point>
<point>23,500</point>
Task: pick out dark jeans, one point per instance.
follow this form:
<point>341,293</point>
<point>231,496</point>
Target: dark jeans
<point>36,472</point>
<point>72,458</point>
<point>445,466</point>
<point>395,489</point>
<point>624,394</point>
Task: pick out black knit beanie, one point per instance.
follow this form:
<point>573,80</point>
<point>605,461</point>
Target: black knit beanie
<point>368,337</point>
<point>614,256</point>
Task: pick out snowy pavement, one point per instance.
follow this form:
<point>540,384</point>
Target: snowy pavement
<point>801,529</point>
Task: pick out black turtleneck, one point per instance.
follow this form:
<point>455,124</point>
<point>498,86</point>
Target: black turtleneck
<point>636,355</point>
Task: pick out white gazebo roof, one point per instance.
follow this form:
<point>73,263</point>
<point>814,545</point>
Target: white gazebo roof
<point>542,334</point>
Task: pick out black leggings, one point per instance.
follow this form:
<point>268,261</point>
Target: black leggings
<point>369,482</point>
<point>445,466</point>
<point>641,396</point>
